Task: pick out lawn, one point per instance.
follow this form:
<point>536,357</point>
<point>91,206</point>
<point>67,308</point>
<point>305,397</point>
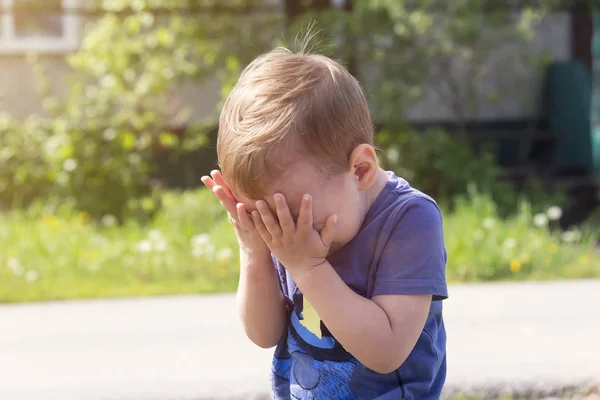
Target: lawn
<point>189,247</point>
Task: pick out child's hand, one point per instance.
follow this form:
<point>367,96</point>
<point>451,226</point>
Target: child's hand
<point>298,246</point>
<point>248,237</point>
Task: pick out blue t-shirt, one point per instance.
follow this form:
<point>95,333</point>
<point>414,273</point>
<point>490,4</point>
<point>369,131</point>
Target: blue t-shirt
<point>398,250</point>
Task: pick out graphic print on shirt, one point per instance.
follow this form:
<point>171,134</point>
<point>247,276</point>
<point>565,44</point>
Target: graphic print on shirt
<point>301,369</point>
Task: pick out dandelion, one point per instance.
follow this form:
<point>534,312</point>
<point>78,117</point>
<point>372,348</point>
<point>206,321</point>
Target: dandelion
<point>108,220</point>
<point>554,213</point>
<point>84,217</point>
<point>571,236</point>
<point>108,81</point>
<point>202,246</point>
<point>145,246</point>
<point>155,235</point>
<point>15,266</point>
<point>200,240</point>
<point>51,221</point>
<point>224,255</point>
<point>32,276</point>
<point>515,266</point>
<point>160,246</point>
<point>70,165</point>
<point>509,243</point>
<point>99,240</point>
<point>584,259</point>
<point>540,220</point>
<point>489,223</point>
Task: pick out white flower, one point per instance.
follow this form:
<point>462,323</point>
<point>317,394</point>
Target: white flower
<point>509,243</point>
<point>206,251</point>
<point>200,240</point>
<point>554,213</point>
<point>145,246</point>
<point>224,255</point>
<point>70,165</point>
<point>108,81</point>
<point>15,266</point>
<point>489,223</point>
<point>160,246</point>
<point>32,276</point>
<point>99,240</point>
<point>540,220</point>
<point>155,235</point>
<point>571,236</point>
<point>108,220</point>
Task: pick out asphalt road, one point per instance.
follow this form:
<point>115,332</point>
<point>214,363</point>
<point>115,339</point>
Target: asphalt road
<point>514,335</point>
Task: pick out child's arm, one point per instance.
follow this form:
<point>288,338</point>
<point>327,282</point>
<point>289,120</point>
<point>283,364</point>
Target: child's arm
<point>260,303</point>
<point>380,332</point>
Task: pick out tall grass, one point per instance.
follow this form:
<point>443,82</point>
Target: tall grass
<point>189,247</point>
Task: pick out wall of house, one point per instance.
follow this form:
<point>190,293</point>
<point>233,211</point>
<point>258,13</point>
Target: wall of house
<point>519,81</point>
<point>19,97</point>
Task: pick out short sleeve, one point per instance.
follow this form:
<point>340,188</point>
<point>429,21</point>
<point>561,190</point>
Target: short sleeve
<point>413,261</point>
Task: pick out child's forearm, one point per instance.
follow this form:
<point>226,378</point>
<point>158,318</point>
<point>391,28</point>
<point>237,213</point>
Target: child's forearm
<point>260,302</point>
<point>359,324</point>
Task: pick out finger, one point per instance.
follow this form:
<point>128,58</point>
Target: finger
<point>219,180</point>
<point>305,218</point>
<point>208,182</point>
<point>328,232</point>
<point>244,218</point>
<point>268,219</point>
<point>286,221</point>
<point>260,227</point>
<point>226,201</point>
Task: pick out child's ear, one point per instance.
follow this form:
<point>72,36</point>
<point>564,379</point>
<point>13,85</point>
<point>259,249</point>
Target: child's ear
<point>363,164</point>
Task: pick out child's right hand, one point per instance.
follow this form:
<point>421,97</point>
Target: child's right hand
<point>250,241</point>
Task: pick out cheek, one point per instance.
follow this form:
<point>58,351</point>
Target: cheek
<point>349,222</point>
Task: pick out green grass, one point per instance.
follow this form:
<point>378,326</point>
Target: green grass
<point>189,247</point>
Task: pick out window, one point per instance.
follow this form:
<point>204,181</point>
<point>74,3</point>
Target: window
<point>38,25</point>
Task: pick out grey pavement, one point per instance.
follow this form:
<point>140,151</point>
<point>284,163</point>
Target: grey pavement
<point>192,347</point>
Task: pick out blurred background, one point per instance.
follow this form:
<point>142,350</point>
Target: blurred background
<point>108,117</point>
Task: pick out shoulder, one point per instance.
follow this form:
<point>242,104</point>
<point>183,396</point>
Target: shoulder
<point>409,205</point>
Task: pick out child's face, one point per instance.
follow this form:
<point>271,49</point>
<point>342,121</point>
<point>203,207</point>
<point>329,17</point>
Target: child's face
<point>338,195</point>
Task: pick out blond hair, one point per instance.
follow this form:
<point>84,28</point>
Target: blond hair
<point>288,105</point>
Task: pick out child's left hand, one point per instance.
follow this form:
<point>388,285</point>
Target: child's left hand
<point>297,245</point>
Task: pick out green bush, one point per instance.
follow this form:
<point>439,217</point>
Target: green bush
<point>444,166</point>
<point>26,172</point>
<point>119,111</point>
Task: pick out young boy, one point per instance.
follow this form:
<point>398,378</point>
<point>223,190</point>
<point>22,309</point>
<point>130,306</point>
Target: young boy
<point>317,219</point>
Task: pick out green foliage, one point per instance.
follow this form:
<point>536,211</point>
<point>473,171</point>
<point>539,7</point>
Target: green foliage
<point>26,173</point>
<point>122,108</point>
<point>115,114</point>
<point>96,145</point>
<point>482,245</point>
<point>445,167</point>
<point>451,49</point>
<point>189,247</point>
